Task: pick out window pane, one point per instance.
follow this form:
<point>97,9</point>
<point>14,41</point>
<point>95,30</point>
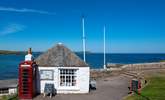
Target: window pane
<point>4,91</point>
<point>68,77</point>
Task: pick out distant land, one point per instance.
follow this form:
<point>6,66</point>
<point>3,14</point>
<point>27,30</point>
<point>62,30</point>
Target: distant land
<point>5,52</point>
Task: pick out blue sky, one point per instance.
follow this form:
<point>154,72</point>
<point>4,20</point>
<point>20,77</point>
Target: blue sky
<point>132,26</point>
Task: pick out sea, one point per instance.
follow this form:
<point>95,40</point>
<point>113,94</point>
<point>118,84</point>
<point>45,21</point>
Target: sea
<point>9,63</point>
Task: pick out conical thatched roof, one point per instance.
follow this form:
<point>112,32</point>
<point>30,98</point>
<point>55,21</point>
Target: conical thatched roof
<point>60,56</point>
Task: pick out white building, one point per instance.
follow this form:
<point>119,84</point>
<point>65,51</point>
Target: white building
<point>8,87</point>
<point>64,69</point>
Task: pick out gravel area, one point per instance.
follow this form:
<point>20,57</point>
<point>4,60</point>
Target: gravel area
<point>110,88</point>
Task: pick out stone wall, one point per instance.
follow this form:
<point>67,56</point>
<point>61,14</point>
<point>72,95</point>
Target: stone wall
<point>143,66</point>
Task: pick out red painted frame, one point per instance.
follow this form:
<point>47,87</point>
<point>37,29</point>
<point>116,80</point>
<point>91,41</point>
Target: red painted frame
<point>30,92</point>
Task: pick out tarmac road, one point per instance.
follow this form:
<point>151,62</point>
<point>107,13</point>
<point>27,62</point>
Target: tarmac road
<point>111,88</point>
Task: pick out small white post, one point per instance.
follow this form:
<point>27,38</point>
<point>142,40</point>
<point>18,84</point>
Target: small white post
<point>104,50</point>
<point>84,45</point>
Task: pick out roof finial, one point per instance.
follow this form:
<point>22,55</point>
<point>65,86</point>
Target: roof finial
<point>59,43</point>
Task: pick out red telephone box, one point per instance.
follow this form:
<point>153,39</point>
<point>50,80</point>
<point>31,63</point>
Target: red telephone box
<point>27,80</point>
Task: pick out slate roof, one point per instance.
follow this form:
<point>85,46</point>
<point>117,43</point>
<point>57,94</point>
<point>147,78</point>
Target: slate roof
<point>60,56</point>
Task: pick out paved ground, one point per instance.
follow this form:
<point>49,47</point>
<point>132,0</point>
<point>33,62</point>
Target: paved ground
<point>112,88</point>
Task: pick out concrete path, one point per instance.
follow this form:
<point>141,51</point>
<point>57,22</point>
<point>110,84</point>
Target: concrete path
<point>112,88</point>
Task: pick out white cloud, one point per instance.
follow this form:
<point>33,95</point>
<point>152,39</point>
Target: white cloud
<point>25,10</point>
<point>12,28</point>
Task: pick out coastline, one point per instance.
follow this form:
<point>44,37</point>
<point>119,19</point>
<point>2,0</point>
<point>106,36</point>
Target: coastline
<point>7,52</point>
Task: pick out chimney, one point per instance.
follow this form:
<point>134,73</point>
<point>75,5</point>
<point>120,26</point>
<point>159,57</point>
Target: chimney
<point>30,51</point>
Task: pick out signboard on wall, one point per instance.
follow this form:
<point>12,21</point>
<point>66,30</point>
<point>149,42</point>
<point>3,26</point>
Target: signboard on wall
<point>46,74</point>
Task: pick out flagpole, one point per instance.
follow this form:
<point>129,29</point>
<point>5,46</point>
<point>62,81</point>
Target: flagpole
<point>104,49</point>
<point>84,45</point>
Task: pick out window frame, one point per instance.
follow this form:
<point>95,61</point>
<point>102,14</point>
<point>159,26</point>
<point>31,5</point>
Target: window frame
<point>75,75</point>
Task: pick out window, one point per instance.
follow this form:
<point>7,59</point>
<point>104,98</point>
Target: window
<point>68,77</point>
<point>4,91</point>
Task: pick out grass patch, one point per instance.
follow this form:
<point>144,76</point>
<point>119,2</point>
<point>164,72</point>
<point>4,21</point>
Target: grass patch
<point>155,90</point>
<point>9,97</point>
<point>162,61</point>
